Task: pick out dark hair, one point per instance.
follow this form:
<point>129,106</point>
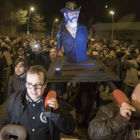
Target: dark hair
<point>25,62</point>
<point>38,69</point>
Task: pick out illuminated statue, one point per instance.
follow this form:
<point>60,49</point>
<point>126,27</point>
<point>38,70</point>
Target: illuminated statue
<point>71,35</point>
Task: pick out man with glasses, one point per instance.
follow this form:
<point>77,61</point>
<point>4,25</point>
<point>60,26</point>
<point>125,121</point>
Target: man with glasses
<point>27,109</point>
<point>72,35</point>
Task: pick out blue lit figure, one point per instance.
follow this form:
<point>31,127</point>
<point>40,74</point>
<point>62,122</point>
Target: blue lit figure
<point>72,36</point>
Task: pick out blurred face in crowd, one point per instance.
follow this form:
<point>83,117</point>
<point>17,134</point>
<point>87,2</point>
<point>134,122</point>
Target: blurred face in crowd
<point>138,59</point>
<point>14,41</point>
<point>96,44</point>
<point>118,47</point>
<point>104,46</point>
<point>33,40</point>
<point>20,69</point>
<point>53,53</point>
<point>55,43</point>
<point>35,85</point>
<point>127,52</point>
<point>125,44</point>
<point>97,48</point>
<point>112,53</point>
<point>21,52</point>
<point>95,54</point>
<point>24,44</point>
<point>93,46</point>
<point>3,44</point>
<point>43,41</point>
<point>91,43</point>
<point>113,44</point>
<point>132,46</point>
<point>46,48</point>
<point>7,39</point>
<point>105,51</point>
<point>52,42</point>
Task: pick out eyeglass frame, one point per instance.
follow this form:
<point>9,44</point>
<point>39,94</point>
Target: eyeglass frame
<point>35,86</point>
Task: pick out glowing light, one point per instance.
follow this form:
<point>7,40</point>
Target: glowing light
<point>57,69</point>
<point>112,12</point>
<point>32,8</point>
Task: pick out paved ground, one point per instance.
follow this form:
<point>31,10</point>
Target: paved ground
<point>80,133</point>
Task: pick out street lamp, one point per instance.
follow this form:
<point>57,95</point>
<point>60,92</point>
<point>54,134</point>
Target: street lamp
<point>31,9</point>
<point>53,25</point>
<point>112,13</point>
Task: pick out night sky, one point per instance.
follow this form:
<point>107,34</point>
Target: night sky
<point>50,9</point>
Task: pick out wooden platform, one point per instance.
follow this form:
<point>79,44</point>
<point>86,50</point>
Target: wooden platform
<point>87,71</point>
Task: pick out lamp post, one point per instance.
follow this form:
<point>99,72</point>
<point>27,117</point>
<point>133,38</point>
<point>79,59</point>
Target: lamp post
<point>112,35</point>
<point>31,9</point>
<point>53,26</point>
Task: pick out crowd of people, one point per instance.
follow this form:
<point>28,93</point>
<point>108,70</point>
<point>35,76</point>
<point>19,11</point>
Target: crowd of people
<point>122,58</point>
<point>17,55</point>
<point>44,113</point>
<point>31,52</point>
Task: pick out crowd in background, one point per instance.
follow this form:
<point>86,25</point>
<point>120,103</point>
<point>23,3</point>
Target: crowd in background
<point>122,58</point>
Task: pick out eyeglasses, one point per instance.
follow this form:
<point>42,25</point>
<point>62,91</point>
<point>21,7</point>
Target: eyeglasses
<point>36,86</point>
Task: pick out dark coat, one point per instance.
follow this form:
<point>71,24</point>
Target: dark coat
<point>15,84</point>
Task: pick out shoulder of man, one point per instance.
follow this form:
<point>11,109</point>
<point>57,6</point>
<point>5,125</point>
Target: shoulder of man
<point>15,97</point>
<point>110,109</point>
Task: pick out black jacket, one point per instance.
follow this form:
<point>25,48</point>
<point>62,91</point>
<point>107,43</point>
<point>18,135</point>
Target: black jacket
<point>109,124</point>
<point>15,84</point>
<point>60,121</point>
